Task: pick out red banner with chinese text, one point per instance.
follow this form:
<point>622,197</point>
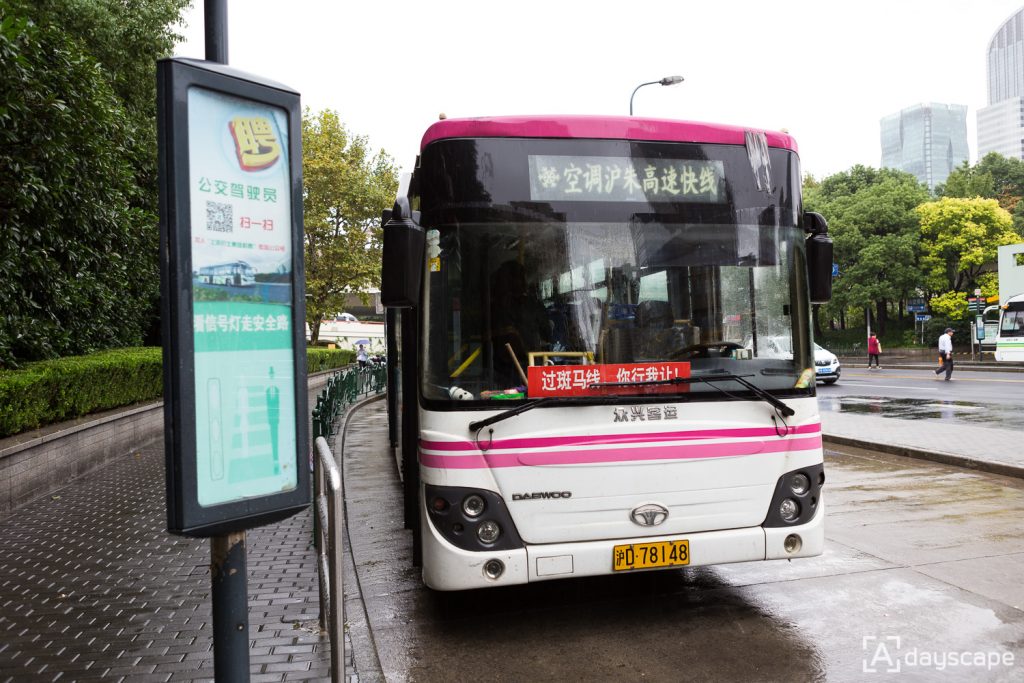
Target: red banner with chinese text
<point>579,380</point>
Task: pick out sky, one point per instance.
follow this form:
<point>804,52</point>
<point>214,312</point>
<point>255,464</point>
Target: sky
<point>826,72</point>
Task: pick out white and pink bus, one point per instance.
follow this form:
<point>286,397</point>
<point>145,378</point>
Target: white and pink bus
<point>579,316</point>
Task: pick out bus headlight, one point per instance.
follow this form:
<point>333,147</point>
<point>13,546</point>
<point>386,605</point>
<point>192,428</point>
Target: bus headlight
<point>796,496</point>
<point>789,510</point>
<point>473,505</point>
<point>799,483</point>
<point>473,519</point>
<point>488,532</point>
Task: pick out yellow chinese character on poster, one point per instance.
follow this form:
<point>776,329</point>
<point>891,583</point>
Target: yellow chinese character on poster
<point>255,143</point>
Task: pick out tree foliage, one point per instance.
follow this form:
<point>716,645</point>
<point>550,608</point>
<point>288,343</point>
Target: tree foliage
<point>78,269</point>
<point>875,233</point>
<point>994,177</point>
<point>345,189</point>
<point>959,242</point>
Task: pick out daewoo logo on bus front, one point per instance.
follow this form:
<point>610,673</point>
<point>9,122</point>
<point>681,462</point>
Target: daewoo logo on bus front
<point>540,495</point>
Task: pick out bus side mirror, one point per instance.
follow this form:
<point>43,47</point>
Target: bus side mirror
<point>819,258</point>
<point>402,263</point>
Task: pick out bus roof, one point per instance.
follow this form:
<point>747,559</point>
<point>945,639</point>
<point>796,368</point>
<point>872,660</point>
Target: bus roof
<point>598,127</point>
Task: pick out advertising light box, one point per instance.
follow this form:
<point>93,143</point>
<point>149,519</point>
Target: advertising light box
<point>232,285</point>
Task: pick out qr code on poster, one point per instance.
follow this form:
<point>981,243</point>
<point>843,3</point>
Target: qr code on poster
<point>219,217</point>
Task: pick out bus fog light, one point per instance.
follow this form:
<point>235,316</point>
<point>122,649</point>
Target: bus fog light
<point>494,568</point>
<point>792,543</point>
<point>473,505</point>
<point>488,532</point>
<point>789,510</point>
<point>799,483</point>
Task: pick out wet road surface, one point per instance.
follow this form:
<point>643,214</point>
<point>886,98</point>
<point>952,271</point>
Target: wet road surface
<point>979,398</point>
<point>930,555</point>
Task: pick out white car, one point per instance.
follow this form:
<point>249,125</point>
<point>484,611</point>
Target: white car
<point>826,365</point>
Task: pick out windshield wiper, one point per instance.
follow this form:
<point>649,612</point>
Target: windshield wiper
<point>543,401</point>
<point>777,403</point>
<point>512,412</point>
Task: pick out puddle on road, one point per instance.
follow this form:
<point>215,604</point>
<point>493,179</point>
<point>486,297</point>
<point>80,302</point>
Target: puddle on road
<point>923,409</point>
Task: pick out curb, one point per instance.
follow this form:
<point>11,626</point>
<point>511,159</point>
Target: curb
<point>959,365</point>
<point>365,655</point>
<point>988,466</point>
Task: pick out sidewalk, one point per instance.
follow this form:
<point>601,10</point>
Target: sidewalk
<point>92,587</point>
<point>988,449</point>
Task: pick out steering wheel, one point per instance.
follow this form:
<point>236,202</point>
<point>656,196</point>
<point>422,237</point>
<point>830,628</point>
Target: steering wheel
<point>714,349</point>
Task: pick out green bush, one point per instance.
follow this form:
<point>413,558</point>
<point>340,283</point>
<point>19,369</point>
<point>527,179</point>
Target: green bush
<point>52,391</point>
<point>318,360</point>
<point>854,340</point>
<point>56,390</point>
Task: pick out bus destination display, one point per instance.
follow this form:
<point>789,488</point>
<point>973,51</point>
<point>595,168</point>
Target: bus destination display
<point>619,179</point>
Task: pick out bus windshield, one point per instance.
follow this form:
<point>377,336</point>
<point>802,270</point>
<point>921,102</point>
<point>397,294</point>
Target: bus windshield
<point>518,276</point>
<point>1012,323</point>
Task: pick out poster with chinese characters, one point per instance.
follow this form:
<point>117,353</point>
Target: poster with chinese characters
<point>594,380</point>
<point>242,283</point>
<point>620,179</point>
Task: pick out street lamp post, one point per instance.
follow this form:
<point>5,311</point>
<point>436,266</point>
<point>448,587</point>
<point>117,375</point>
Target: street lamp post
<point>668,80</point>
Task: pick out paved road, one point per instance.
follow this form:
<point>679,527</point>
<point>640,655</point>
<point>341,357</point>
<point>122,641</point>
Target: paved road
<point>928,554</point>
<point>972,397</point>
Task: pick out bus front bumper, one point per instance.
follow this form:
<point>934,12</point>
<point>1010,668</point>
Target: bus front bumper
<point>447,568</point>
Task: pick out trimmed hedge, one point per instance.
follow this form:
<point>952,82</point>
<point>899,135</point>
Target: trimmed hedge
<point>56,390</point>
<point>318,360</point>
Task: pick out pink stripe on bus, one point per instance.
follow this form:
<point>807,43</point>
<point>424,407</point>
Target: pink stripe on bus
<point>599,127</point>
<point>592,440</point>
<point>617,455</point>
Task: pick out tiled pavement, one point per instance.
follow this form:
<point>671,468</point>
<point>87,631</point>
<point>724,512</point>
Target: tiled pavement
<point>92,587</point>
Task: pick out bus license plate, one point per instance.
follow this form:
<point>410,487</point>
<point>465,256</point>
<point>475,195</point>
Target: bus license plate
<point>649,555</point>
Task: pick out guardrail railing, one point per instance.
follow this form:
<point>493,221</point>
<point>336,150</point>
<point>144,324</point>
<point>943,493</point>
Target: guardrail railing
<point>343,389</point>
<point>330,512</point>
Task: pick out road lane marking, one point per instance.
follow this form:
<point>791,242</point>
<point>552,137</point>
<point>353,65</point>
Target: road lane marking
<point>925,379</point>
<point>896,386</point>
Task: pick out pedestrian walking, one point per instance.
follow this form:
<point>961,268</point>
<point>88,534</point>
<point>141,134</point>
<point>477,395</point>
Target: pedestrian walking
<point>361,356</point>
<point>874,350</point>
<point>946,353</point>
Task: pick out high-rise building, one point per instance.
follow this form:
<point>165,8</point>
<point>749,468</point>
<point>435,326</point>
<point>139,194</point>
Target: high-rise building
<point>1001,123</point>
<point>928,140</point>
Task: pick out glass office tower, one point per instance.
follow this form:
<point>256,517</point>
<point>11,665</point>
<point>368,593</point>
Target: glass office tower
<point>928,140</point>
<point>1001,123</point>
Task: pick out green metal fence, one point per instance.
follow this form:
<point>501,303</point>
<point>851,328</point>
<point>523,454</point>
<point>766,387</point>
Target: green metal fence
<point>343,389</point>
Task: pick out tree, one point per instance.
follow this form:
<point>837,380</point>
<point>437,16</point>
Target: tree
<point>70,278</point>
<point>994,177</point>
<point>78,262</point>
<point>875,232</point>
<point>959,242</point>
<point>345,190</point>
